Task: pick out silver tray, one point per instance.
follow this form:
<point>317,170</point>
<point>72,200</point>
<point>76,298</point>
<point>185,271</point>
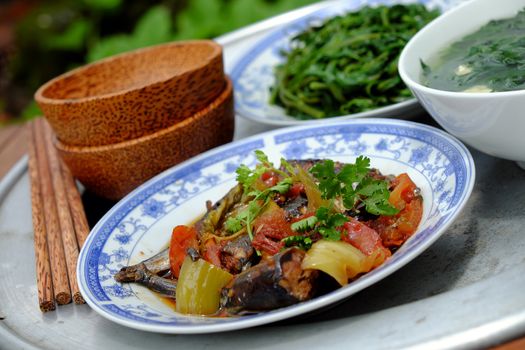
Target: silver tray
<point>465,291</point>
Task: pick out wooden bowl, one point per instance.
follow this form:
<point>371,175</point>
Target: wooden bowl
<point>112,171</point>
<point>133,94</point>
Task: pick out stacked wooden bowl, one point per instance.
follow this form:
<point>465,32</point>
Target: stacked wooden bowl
<point>124,119</point>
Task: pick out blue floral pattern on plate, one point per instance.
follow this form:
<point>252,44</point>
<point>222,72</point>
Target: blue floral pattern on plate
<point>140,225</point>
<point>253,75</point>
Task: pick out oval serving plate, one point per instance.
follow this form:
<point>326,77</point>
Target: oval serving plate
<point>140,225</point>
<point>253,76</point>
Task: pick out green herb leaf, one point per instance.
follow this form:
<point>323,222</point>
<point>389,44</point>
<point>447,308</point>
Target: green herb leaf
<point>304,224</point>
<point>330,233</point>
<point>378,204</point>
<point>282,187</point>
<point>302,242</point>
<point>263,158</point>
<point>336,220</point>
<point>233,224</point>
<point>354,184</point>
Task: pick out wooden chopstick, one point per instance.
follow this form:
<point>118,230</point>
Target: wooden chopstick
<point>69,239</point>
<point>54,238</point>
<point>46,298</point>
<point>75,205</point>
<point>59,220</point>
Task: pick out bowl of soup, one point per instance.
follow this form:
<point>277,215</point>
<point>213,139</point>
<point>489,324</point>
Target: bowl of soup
<point>467,69</point>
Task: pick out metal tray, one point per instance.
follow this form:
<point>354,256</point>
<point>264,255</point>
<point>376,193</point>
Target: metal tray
<point>465,291</point>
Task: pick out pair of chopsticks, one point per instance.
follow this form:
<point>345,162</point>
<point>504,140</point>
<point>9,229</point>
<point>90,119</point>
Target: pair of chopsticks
<point>59,221</point>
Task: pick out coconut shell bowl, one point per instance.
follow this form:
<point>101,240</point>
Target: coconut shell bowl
<point>122,120</point>
<point>133,94</point>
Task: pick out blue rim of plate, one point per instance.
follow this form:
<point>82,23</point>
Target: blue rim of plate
<point>302,23</point>
<point>460,164</point>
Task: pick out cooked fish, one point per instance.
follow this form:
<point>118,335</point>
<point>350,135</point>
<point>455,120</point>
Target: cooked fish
<point>276,282</point>
<point>140,274</point>
<point>157,264</point>
<point>213,218</point>
<point>238,254</point>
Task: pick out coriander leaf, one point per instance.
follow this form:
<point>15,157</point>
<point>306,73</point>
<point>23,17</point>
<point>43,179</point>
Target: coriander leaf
<point>350,197</point>
<point>243,174</point>
<point>336,220</point>
<point>378,204</point>
<point>304,224</point>
<point>254,193</point>
<point>363,164</point>
<point>247,177</point>
<point>322,213</point>
<point>262,158</point>
<point>330,233</point>
<point>329,184</point>
<point>302,242</point>
<point>233,224</point>
<point>369,187</point>
<point>323,170</point>
<point>282,187</point>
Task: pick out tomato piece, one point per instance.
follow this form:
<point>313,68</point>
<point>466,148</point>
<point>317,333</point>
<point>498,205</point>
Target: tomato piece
<point>270,228</point>
<point>212,252</point>
<point>272,223</point>
<point>295,190</point>
<point>395,230</point>
<point>410,218</point>
<point>266,245</point>
<point>270,178</point>
<point>403,192</point>
<point>182,238</point>
<point>364,238</point>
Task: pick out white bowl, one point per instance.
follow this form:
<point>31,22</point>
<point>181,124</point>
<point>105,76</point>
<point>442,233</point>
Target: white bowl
<point>490,122</point>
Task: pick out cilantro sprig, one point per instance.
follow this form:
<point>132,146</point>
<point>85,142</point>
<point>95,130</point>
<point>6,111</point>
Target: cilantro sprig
<point>349,188</point>
<point>325,222</point>
<point>354,185</point>
<point>303,242</point>
<point>259,199</point>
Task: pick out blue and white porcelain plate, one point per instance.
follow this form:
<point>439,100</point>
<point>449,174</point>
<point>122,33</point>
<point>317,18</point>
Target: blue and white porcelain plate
<point>140,225</point>
<point>253,74</point>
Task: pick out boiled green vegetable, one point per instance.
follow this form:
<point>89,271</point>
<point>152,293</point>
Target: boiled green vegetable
<point>490,59</point>
<point>349,63</point>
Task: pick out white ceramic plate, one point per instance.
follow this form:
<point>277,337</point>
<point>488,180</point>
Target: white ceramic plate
<point>140,224</point>
<point>253,74</point>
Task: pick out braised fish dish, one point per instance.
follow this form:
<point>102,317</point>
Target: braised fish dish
<point>283,235</point>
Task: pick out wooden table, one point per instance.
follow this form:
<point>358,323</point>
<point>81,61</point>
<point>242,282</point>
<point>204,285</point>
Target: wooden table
<point>13,145</point>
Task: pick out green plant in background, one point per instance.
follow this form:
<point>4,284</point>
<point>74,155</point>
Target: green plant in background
<point>60,35</point>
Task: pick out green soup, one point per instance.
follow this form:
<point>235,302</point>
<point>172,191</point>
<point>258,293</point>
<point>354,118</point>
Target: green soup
<point>490,59</point>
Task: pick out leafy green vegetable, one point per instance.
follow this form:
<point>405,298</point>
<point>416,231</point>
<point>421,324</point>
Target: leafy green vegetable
<point>490,59</point>
<point>349,63</point>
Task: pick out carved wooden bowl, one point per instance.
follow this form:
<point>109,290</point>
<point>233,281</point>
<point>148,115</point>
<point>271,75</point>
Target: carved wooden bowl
<point>111,171</point>
<point>133,94</point>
